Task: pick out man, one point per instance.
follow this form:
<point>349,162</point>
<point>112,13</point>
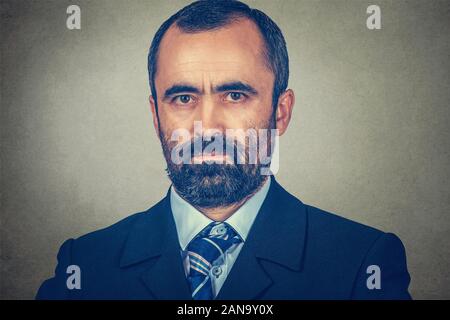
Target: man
<point>226,230</point>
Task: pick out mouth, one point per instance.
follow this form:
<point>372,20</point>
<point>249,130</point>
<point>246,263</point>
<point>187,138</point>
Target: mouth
<point>212,157</point>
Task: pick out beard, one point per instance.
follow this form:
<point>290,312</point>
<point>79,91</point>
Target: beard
<point>212,185</point>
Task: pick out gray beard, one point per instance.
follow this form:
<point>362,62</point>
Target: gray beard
<point>215,185</point>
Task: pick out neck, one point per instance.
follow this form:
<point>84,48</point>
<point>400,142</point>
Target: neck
<point>224,212</point>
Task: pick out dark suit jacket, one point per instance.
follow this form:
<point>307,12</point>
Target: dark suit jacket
<point>293,251</point>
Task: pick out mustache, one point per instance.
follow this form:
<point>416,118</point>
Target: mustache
<point>221,144</point>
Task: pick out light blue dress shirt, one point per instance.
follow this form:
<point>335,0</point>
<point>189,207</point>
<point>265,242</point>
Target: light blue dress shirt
<point>189,222</point>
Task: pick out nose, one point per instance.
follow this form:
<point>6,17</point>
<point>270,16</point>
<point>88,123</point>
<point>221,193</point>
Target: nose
<point>210,114</point>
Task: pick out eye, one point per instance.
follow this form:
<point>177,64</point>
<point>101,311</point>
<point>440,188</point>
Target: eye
<point>235,96</point>
<point>182,99</point>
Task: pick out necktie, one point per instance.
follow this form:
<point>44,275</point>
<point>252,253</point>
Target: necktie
<point>211,243</point>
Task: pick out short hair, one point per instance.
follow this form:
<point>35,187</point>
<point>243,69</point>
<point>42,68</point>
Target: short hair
<point>205,15</point>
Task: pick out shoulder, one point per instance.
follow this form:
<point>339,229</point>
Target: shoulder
<point>109,235</point>
<point>337,228</point>
<point>325,224</point>
<point>109,241</point>
<point>354,251</point>
<point>330,236</point>
<point>97,254</point>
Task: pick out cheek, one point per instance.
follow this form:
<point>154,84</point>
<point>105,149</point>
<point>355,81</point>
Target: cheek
<point>171,120</point>
<point>253,115</point>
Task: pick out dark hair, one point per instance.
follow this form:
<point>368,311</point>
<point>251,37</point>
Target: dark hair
<point>205,15</point>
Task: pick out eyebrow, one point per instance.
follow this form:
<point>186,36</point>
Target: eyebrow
<point>236,86</point>
<point>227,86</point>
<point>179,88</point>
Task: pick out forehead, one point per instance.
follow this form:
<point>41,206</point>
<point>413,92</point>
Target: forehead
<point>233,51</point>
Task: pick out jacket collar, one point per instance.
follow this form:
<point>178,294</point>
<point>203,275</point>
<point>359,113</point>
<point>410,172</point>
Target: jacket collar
<point>148,235</point>
<point>153,236</point>
<point>277,235</point>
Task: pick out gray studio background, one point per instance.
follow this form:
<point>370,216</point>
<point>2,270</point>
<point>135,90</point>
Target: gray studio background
<point>369,138</point>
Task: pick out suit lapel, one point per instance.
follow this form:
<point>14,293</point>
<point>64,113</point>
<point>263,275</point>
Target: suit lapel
<point>246,280</point>
<point>277,235</point>
<point>154,236</point>
<point>166,279</point>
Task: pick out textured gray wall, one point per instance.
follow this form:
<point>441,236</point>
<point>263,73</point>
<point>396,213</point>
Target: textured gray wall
<point>369,138</point>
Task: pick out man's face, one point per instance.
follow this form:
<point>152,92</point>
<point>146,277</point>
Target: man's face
<point>220,78</point>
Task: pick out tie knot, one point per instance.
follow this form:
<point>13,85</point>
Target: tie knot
<point>219,230</point>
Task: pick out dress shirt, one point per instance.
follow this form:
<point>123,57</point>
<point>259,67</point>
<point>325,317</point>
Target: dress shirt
<point>189,222</point>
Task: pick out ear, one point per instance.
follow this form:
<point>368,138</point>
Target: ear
<point>284,110</point>
<point>154,114</point>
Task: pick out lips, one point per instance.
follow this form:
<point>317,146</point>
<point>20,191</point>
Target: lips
<point>213,157</point>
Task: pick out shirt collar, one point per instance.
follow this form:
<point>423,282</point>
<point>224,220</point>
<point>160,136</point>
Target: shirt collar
<point>189,221</point>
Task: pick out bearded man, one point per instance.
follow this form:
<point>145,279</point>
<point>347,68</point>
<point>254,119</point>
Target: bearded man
<point>227,229</point>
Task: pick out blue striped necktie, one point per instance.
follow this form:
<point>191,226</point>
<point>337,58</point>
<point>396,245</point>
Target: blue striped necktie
<point>211,243</point>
